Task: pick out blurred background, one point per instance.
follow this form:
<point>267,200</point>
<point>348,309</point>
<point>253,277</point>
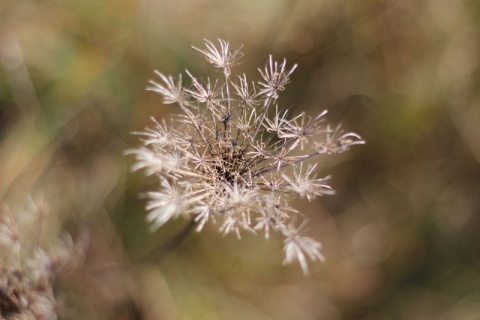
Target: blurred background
<point>401,236</point>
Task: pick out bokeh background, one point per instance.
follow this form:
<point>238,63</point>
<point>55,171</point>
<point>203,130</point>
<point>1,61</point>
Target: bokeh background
<point>401,236</point>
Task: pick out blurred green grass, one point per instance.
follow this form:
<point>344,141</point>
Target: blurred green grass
<point>401,235</point>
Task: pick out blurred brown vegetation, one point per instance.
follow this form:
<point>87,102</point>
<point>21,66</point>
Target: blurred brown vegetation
<point>402,235</point>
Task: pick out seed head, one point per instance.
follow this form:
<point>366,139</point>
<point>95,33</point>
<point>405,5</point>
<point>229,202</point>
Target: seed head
<point>28,269</point>
<point>222,159</point>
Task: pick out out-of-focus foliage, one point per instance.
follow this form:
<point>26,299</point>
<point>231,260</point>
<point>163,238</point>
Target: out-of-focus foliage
<point>401,236</point>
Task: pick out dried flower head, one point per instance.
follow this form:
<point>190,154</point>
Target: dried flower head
<point>224,159</point>
<point>27,269</point>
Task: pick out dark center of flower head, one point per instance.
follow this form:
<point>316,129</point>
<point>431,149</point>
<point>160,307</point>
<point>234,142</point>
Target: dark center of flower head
<point>231,164</point>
